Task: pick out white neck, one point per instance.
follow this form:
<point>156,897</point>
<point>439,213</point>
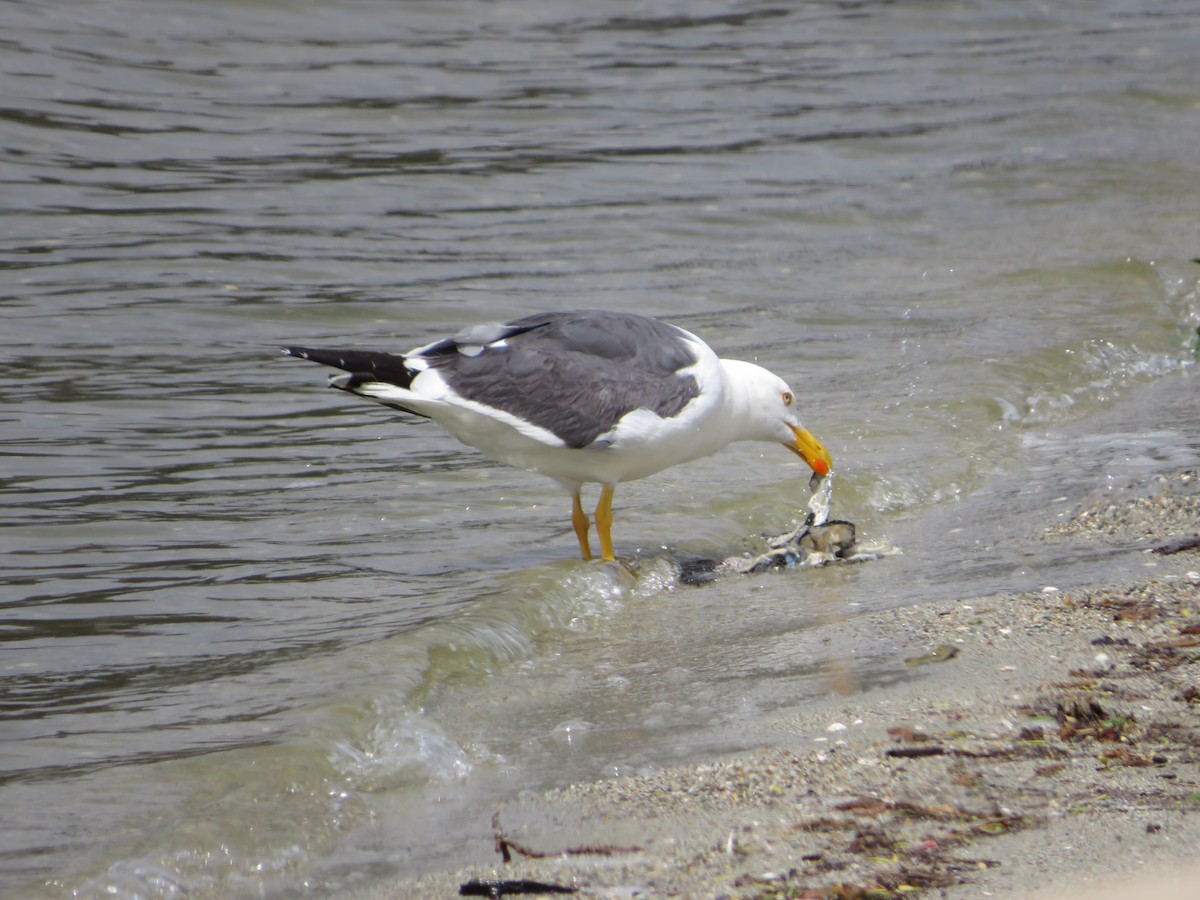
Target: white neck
<point>751,400</point>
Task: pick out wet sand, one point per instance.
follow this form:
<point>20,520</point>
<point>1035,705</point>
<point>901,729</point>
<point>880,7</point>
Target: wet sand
<point>1046,741</point>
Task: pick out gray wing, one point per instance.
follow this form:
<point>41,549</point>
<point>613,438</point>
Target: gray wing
<point>573,373</point>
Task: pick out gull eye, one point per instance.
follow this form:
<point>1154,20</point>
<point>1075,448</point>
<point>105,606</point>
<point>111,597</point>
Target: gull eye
<point>787,398</point>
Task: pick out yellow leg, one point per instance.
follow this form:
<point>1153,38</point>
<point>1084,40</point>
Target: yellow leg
<point>604,522</point>
<point>579,521</point>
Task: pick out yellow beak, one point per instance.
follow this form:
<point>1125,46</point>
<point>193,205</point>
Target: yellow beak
<point>809,449</point>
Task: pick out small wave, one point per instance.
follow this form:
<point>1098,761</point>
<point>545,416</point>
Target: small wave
<point>135,879</point>
<point>893,494</point>
<point>1095,375</point>
<point>409,747</point>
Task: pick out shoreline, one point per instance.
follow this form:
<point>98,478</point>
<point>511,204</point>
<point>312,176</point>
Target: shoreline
<point>1043,740</point>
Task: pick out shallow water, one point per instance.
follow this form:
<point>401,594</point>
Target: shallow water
<point>259,638</point>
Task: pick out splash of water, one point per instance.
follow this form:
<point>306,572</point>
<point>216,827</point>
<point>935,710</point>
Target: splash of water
<point>821,500</point>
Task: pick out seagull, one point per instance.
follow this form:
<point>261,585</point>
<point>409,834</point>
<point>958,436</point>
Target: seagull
<point>583,397</point>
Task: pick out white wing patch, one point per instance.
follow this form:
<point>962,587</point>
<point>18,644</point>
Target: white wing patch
<point>476,424</point>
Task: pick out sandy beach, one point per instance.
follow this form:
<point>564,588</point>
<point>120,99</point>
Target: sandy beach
<point>1047,744</point>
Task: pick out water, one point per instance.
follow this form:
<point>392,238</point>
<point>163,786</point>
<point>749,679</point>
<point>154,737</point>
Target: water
<point>260,639</point>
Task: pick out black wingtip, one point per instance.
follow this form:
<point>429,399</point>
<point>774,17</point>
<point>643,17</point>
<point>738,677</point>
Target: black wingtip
<point>339,359</point>
<point>365,365</point>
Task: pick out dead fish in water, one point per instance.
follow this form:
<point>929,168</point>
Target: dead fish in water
<point>805,545</point>
<point>808,545</point>
<point>816,541</point>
